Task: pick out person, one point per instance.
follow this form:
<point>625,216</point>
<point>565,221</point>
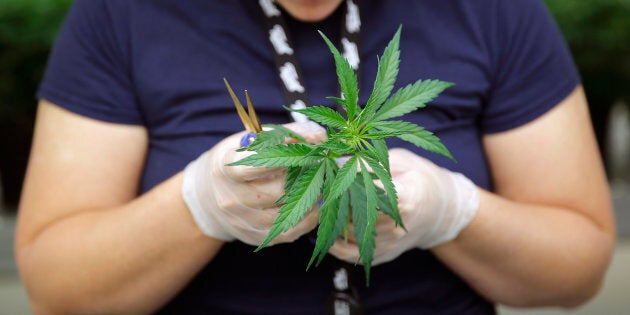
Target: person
<point>129,207</point>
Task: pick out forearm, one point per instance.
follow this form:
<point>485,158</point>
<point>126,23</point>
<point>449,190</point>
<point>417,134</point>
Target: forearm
<point>528,255</point>
<point>129,259</point>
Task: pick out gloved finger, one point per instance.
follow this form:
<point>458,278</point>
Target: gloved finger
<point>400,159</point>
<point>250,219</point>
<point>263,192</point>
<point>386,225</point>
<point>307,224</point>
<point>346,251</point>
<point>382,257</point>
<point>310,131</point>
<point>251,237</point>
<point>388,247</point>
<point>409,188</point>
<point>225,152</point>
<point>242,173</point>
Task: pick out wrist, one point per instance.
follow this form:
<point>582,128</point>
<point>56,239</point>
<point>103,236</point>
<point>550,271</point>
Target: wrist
<point>193,190</point>
<point>459,207</point>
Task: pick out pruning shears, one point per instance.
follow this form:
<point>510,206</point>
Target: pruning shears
<point>248,117</point>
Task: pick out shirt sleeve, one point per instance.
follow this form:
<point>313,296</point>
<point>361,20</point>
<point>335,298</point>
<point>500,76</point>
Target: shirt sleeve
<point>88,70</point>
<point>533,71</point>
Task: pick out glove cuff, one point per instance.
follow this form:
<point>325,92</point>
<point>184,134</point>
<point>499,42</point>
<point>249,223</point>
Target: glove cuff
<point>193,192</point>
<point>462,207</point>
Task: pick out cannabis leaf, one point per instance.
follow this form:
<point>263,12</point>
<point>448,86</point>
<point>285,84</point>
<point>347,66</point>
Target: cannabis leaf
<point>275,134</point>
<point>346,190</point>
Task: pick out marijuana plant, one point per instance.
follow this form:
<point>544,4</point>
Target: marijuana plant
<point>348,192</point>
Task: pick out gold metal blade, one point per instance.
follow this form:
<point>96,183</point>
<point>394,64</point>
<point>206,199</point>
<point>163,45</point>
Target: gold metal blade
<point>242,114</point>
<point>253,118</point>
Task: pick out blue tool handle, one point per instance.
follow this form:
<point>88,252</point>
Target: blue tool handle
<point>248,139</point>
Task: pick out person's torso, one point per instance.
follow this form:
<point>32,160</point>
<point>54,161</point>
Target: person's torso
<point>181,51</point>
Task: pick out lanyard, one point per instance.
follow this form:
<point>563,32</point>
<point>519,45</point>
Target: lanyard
<point>287,65</point>
<point>344,299</point>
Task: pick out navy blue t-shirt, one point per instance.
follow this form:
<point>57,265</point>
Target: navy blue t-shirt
<point>160,64</point>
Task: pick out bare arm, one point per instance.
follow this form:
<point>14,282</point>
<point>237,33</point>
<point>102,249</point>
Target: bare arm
<point>85,242</point>
<point>547,235</point>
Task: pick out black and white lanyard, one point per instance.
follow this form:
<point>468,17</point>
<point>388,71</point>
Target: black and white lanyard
<point>344,299</point>
<point>287,65</point>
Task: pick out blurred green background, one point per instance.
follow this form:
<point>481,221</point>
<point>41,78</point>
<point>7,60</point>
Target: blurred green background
<point>598,33</point>
<point>27,31</point>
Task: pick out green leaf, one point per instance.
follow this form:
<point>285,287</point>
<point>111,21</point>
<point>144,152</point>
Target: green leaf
<point>341,222</point>
<point>350,195</point>
<point>323,115</point>
<point>338,148</point>
<point>380,135</point>
<point>384,204</point>
<point>410,98</point>
<point>364,220</point>
<point>383,201</point>
<point>333,217</point>
<point>417,135</point>
<point>340,101</point>
<point>380,149</point>
<point>344,177</point>
<point>299,201</point>
<point>292,154</point>
<point>385,77</point>
<point>293,173</point>
<point>327,214</point>
<point>347,79</point>
<point>271,137</point>
<point>385,177</point>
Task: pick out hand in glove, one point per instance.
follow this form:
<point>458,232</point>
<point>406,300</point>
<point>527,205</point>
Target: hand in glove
<point>435,205</point>
<point>237,202</point>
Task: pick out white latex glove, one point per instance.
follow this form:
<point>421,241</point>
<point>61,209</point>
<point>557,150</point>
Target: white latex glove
<point>237,202</point>
<point>435,205</point>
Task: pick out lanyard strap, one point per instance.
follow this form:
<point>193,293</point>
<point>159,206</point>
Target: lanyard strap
<point>344,299</point>
<point>287,65</point>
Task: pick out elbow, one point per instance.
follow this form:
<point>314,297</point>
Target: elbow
<point>46,294</point>
<point>586,287</point>
<point>37,304</point>
<point>577,284</point>
<point>588,276</point>
<point>568,296</point>
<point>581,295</point>
<point>48,307</point>
<point>580,291</point>
<point>39,309</point>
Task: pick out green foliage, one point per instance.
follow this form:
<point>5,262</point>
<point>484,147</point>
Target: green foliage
<point>293,154</point>
<point>31,21</point>
<point>595,30</point>
<point>410,98</point>
<point>27,31</point>
<point>272,137</point>
<point>598,33</point>
<point>348,191</point>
